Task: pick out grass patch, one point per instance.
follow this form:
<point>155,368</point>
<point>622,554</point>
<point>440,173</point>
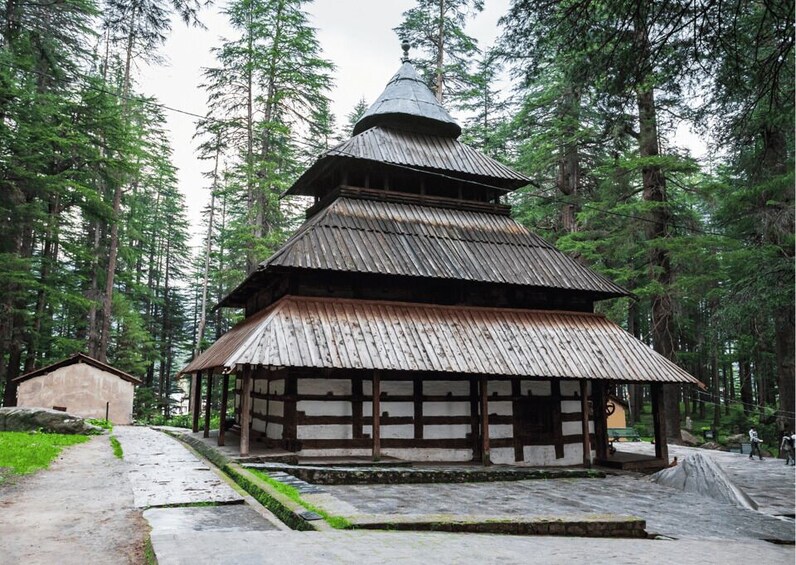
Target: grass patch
<point>293,494</point>
<point>149,552</point>
<point>117,447</point>
<point>101,423</point>
<point>27,452</point>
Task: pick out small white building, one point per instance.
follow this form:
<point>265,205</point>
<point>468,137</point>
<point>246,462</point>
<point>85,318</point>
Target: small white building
<point>82,386</point>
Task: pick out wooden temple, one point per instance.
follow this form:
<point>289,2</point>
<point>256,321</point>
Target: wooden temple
<point>411,317</point>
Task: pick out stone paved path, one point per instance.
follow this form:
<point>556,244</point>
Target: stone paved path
<point>162,471</point>
<point>667,511</point>
<point>359,547</point>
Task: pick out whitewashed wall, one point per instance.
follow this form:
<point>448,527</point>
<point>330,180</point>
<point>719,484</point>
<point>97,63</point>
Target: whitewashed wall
<point>532,455</point>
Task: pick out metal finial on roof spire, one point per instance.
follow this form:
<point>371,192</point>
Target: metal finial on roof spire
<point>405,46</point>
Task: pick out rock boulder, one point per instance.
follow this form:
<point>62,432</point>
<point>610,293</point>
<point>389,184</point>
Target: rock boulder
<point>700,474</point>
<point>19,419</point>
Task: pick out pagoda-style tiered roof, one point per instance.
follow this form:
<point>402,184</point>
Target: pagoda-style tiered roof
<point>413,152</point>
<point>361,235</point>
<point>363,334</point>
<point>408,104</point>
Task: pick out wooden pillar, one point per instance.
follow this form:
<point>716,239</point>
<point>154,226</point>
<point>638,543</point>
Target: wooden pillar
<point>475,425</point>
<point>207,404</point>
<point>600,422</point>
<point>196,393</point>
<point>558,434</point>
<point>245,410</point>
<point>376,406</point>
<point>584,411</point>
<point>356,407</point>
<point>485,459</point>
<point>417,394</point>
<point>659,422</point>
<point>222,424</point>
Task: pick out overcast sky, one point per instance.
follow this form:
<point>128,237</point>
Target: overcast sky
<point>355,35</point>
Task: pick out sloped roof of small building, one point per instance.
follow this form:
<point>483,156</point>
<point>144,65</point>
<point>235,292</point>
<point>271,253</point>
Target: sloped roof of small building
<point>463,340</point>
<point>415,150</point>
<point>79,358</point>
<point>392,238</point>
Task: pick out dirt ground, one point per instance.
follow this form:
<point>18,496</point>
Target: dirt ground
<point>78,511</point>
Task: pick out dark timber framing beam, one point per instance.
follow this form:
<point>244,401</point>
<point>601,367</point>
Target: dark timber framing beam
<point>659,422</point>
<point>485,458</point>
<point>417,390</point>
<point>600,423</point>
<point>208,402</point>
<point>558,434</point>
<point>584,412</point>
<point>474,423</point>
<point>197,401</point>
<point>245,410</point>
<point>222,423</point>
<point>376,406</point>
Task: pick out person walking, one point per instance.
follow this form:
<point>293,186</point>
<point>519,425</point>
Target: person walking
<point>786,447</point>
<point>755,441</point>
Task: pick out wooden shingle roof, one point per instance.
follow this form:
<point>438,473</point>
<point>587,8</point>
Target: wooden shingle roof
<point>461,340</point>
<point>407,103</point>
<point>417,151</point>
<point>392,238</point>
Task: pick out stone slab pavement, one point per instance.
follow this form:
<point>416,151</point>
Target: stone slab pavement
<point>360,547</point>
<point>668,511</point>
<point>165,476</point>
<point>163,472</point>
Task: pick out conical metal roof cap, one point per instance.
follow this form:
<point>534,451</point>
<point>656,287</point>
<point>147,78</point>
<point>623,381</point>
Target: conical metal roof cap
<point>409,105</point>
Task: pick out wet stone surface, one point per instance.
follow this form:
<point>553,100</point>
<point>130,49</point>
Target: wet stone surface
<point>232,518</point>
<point>163,472</point>
<point>667,511</point>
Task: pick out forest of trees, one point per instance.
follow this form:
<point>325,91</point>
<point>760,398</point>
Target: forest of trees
<point>589,98</point>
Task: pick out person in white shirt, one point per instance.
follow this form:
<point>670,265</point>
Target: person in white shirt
<point>755,441</point>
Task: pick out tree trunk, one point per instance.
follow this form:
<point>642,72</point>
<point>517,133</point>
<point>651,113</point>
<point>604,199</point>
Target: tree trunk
<point>568,180</point>
<point>745,377</point>
<point>208,247</point>
<point>654,191</point>
<point>784,343</point>
<point>113,247</point>
<point>440,50</point>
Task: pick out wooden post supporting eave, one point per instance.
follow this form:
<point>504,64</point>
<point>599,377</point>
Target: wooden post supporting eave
<point>196,393</point>
<point>659,422</point>
<point>600,421</point>
<point>584,411</point>
<point>207,404</point>
<point>245,410</point>
<point>222,427</point>
<point>376,406</point>
<point>485,459</point>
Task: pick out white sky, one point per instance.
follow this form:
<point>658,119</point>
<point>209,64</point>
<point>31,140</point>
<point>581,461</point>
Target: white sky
<point>356,35</point>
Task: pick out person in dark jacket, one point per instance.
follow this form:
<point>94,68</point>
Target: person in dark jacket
<point>786,448</point>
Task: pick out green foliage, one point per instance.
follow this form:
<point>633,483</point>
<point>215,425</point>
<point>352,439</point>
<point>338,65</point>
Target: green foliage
<point>101,423</point>
<point>117,447</point>
<point>293,494</point>
<point>27,452</point>
<point>435,29</point>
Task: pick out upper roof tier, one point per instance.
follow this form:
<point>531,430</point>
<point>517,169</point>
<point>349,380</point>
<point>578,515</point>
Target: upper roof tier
<point>357,234</point>
<point>407,142</point>
<point>411,154</point>
<point>408,104</point>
